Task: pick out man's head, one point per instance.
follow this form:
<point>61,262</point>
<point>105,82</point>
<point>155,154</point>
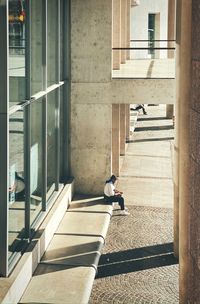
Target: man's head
<point>113,178</point>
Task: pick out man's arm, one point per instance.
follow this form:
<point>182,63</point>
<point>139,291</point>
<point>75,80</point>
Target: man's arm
<point>117,192</point>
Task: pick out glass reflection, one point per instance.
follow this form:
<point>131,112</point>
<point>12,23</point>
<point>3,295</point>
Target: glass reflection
<point>16,182</point>
<point>37,44</point>
<point>51,142</point>
<point>36,160</point>
<point>52,44</point>
<point>17,18</point>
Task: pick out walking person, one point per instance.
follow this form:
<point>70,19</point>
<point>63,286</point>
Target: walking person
<point>139,107</point>
<point>111,194</point>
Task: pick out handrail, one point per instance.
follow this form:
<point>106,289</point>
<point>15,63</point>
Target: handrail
<point>143,48</point>
<point>151,40</point>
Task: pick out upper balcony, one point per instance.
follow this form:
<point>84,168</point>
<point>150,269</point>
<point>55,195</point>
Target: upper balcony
<point>145,59</point>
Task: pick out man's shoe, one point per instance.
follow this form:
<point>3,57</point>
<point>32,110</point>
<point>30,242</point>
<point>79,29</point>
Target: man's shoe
<point>124,212</point>
<point>125,208</point>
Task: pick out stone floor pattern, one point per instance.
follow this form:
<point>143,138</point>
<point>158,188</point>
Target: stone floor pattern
<point>137,263</point>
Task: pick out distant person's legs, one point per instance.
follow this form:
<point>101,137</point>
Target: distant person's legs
<point>141,107</point>
<point>119,200</point>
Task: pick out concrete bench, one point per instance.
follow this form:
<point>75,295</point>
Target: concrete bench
<point>67,270</point>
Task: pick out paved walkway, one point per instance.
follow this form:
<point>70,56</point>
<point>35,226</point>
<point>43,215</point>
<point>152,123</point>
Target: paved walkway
<point>137,263</point>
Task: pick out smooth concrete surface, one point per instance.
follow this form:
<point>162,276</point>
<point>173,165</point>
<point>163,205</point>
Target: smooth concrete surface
<point>127,91</point>
<point>91,126</point>
<point>115,138</point>
<point>188,137</point>
<point>60,284</point>
<point>122,128</point>
<point>91,224</point>
<point>91,41</point>
<point>88,204</point>
<point>74,250</point>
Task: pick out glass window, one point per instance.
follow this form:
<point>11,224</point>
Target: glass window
<point>37,45</point>
<point>37,137</point>
<point>16,182</point>
<point>151,33</point>
<point>36,156</point>
<point>51,141</point>
<point>52,42</point>
<point>17,17</point>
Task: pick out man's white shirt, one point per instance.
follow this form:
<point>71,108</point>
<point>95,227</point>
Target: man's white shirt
<point>109,189</point>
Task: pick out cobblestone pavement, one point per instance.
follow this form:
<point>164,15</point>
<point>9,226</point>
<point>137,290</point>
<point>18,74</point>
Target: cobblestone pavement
<point>137,263</point>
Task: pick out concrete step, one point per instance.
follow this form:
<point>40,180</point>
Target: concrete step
<point>67,269</point>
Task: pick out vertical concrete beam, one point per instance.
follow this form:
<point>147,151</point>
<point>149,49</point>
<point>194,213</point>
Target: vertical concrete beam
<point>194,165</point>
<point>127,122</point>
<point>116,33</point>
<point>171,26</point>
<point>122,128</point>
<point>171,36</point>
<point>128,30</point>
<point>169,111</point>
<point>157,34</point>
<point>182,209</point>
<point>116,139</point>
<point>123,29</point>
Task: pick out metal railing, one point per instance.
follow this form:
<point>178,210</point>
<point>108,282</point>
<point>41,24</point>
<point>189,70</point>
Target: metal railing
<point>144,59</point>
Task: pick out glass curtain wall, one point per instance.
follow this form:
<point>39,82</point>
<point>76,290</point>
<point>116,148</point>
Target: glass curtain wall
<point>32,98</point>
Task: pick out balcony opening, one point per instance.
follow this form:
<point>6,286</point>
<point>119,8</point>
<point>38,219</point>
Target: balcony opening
<point>143,40</point>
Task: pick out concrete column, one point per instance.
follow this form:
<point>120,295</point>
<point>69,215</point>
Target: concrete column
<point>128,30</point>
<point>169,111</point>
<point>91,120</point>
<point>183,79</point>
<point>157,34</point>
<point>122,128</point>
<point>116,33</point>
<point>127,122</point>
<point>193,217</point>
<point>116,139</point>
<point>123,29</point>
<point>171,26</point>
<point>171,36</point>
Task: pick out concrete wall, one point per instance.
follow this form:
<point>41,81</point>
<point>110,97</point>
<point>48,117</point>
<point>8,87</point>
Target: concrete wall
<point>125,91</point>
<point>91,120</point>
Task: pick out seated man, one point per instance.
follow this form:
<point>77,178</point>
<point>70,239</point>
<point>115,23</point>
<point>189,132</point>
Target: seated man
<point>113,195</point>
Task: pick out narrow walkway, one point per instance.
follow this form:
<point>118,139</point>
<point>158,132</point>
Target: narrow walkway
<point>137,263</point>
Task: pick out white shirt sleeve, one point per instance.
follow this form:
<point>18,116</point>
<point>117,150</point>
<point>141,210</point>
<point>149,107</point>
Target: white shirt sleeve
<point>109,189</point>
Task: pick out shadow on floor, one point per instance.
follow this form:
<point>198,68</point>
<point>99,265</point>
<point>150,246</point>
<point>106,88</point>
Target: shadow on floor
<point>151,139</point>
<point>154,128</point>
<point>152,118</point>
<point>136,260</point>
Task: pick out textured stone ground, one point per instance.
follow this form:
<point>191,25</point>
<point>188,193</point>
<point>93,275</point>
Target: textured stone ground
<point>137,264</point>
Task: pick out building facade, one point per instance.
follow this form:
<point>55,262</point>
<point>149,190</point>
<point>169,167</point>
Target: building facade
<point>63,115</point>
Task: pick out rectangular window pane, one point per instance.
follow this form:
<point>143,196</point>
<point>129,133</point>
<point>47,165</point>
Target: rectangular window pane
<point>52,44</point>
<point>16,182</point>
<point>37,45</point>
<point>17,51</point>
<point>36,168</point>
<point>151,32</point>
<point>51,142</point>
